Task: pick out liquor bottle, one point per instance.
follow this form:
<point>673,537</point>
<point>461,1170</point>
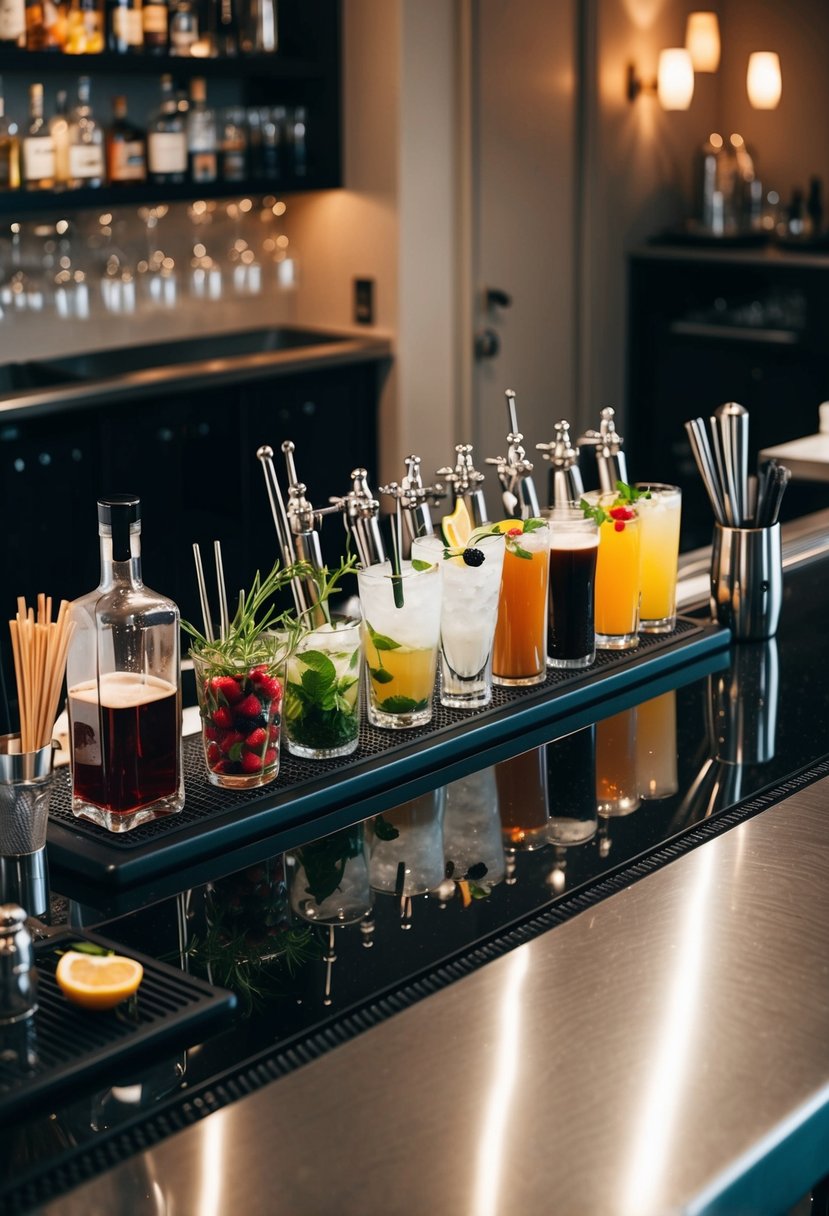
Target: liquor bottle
<point>38,146</point>
<point>156,26</point>
<point>59,130</point>
<point>167,140</point>
<point>86,142</point>
<point>45,25</point>
<point>184,28</point>
<point>202,155</point>
<point>126,148</point>
<point>260,34</point>
<point>124,685</point>
<point>12,23</point>
<point>126,30</point>
<point>9,149</point>
<point>85,27</point>
<point>233,146</point>
<point>227,33</point>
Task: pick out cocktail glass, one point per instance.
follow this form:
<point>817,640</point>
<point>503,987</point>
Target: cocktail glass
<point>469,609</point>
<point>322,691</point>
<point>659,519</point>
<point>241,713</point>
<point>617,580</point>
<point>519,655</point>
<point>401,635</point>
<point>574,545</point>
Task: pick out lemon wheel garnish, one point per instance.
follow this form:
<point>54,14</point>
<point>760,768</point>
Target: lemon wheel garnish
<point>507,525</point>
<point>457,527</point>
<point>97,981</point>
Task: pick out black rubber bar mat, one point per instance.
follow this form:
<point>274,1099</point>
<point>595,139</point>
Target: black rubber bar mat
<point>63,1045</point>
<point>387,764</point>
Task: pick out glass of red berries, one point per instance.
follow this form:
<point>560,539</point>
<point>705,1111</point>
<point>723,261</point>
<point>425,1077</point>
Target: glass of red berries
<point>241,714</point>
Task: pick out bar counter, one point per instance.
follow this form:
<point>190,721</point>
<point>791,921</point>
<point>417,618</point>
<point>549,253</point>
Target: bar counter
<point>620,1010</point>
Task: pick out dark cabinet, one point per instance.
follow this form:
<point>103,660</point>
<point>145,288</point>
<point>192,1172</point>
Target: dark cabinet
<point>708,327</point>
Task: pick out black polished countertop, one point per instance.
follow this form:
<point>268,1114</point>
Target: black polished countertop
<point>336,935</point>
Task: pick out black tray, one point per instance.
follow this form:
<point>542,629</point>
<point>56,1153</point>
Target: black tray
<point>73,1045</point>
<point>387,768</point>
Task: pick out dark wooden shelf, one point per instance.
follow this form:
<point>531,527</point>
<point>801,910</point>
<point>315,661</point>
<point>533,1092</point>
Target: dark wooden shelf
<point>55,63</point>
<point>17,203</point>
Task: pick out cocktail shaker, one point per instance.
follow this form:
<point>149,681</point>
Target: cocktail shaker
<point>18,975</point>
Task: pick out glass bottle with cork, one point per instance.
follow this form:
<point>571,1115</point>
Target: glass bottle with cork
<point>124,682</point>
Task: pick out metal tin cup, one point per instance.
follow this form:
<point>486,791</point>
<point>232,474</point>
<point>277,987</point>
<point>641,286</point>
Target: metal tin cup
<point>747,580</point>
<point>25,786</point>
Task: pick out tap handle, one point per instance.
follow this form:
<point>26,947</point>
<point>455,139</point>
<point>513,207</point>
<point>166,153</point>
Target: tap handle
<point>511,411</point>
<point>288,449</point>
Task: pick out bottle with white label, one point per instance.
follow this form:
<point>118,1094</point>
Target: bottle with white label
<point>59,130</point>
<point>167,140</point>
<point>86,143</point>
<point>12,23</point>
<point>126,148</point>
<point>202,151</point>
<point>38,146</point>
<point>126,27</point>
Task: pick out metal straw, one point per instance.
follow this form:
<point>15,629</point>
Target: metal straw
<point>698,438</point>
<point>205,607</point>
<point>224,622</point>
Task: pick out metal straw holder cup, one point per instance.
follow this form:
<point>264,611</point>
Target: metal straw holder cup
<point>747,580</point>
<point>25,786</point>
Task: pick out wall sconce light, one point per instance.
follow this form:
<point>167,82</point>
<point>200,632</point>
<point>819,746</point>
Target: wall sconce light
<point>674,84</point>
<point>702,41</point>
<point>763,81</point>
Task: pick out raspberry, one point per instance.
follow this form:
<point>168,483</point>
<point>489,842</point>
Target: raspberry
<point>256,739</point>
<point>227,688</point>
<point>619,526</point>
<point>251,763</point>
<point>473,557</point>
<point>515,532</point>
<point>620,513</point>
<point>270,756</point>
<point>222,717</point>
<point>251,707</point>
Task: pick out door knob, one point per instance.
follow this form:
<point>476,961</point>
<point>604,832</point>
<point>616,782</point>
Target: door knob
<point>487,344</point>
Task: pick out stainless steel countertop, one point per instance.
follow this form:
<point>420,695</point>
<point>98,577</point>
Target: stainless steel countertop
<point>649,1056</point>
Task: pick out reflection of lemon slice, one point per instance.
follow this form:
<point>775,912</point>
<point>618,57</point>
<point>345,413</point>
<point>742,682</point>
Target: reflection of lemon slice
<point>466,894</point>
<point>97,981</point>
<point>457,527</point>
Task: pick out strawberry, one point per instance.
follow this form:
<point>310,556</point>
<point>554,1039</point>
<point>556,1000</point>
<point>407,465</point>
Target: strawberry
<point>270,688</point>
<point>258,673</point>
<point>270,757</point>
<point>273,733</point>
<point>229,739</point>
<point>226,688</point>
<point>222,717</point>
<point>251,763</point>
<point>214,754</point>
<point>221,766</point>
<point>251,707</point>
<point>211,732</point>
<point>256,739</point>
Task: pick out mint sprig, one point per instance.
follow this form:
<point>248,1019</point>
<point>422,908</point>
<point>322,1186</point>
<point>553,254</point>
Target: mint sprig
<point>629,495</point>
<point>597,513</point>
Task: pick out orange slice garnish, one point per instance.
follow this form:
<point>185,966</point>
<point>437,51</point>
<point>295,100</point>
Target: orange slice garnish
<point>97,981</point>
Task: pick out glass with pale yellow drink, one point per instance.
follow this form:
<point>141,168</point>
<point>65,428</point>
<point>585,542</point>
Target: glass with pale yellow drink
<point>401,637</point>
<point>659,509</point>
<point>519,652</point>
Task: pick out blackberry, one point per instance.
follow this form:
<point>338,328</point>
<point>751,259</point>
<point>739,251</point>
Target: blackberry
<point>473,557</point>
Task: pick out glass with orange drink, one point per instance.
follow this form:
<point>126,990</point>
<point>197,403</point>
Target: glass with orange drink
<point>617,571</point>
<point>519,653</point>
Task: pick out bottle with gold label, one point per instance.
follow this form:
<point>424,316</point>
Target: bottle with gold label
<point>9,149</point>
<point>85,27</point>
<point>125,34</point>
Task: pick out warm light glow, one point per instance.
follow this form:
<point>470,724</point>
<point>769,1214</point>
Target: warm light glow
<point>702,41</point>
<point>675,79</point>
<point>764,82</point>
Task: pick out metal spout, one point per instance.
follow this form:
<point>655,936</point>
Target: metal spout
<point>610,459</point>
<point>518,493</point>
<point>464,481</point>
<point>566,484</point>
<point>361,514</point>
<point>416,500</point>
<point>296,531</point>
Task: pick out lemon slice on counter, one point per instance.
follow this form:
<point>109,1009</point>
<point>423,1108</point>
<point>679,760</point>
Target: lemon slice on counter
<point>457,527</point>
<point>97,981</point>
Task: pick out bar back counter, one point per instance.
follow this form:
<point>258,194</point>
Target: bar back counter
<point>581,968</point>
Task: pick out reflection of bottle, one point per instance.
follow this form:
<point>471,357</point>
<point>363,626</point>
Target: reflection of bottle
<point>656,747</point>
<point>617,788</point>
<point>522,799</point>
<point>124,686</point>
<point>571,768</point>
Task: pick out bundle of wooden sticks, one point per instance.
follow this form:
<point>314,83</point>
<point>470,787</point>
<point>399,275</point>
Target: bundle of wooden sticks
<point>40,646</point>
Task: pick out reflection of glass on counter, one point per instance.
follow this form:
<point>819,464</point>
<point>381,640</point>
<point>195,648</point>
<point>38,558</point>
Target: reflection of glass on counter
<point>328,879</point>
<point>617,788</point>
<point>656,747</point>
<point>571,770</point>
<point>406,846</point>
<point>472,841</point>
<point>522,799</point>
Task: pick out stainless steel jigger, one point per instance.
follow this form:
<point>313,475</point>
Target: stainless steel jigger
<point>18,975</point>
<point>25,788</point>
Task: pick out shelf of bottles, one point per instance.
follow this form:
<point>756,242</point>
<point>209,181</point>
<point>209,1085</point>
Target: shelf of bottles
<point>222,109</point>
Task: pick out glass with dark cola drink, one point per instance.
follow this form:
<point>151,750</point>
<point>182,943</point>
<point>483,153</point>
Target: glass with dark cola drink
<point>574,544</point>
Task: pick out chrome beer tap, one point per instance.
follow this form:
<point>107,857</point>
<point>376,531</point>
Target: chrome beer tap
<point>415,499</point>
<point>566,484</point>
<point>361,516</point>
<point>610,459</point>
<point>464,481</point>
<point>514,471</point>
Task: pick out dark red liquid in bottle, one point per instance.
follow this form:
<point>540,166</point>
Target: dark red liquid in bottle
<point>125,746</point>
